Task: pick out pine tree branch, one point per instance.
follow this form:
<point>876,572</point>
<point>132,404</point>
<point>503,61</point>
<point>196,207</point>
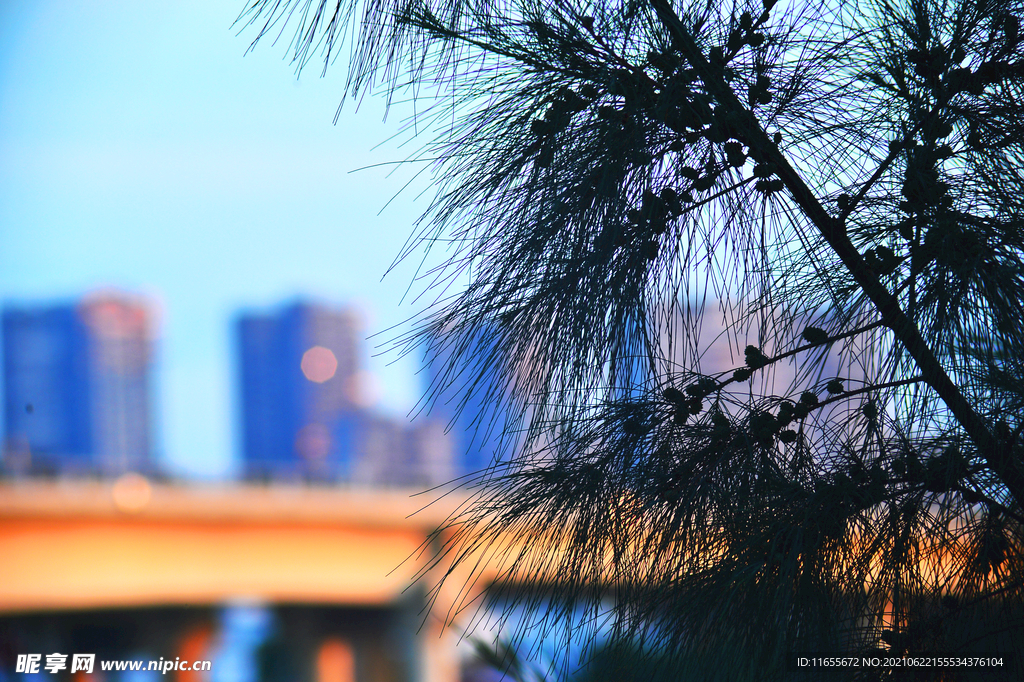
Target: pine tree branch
<point>830,340</point>
<point>846,395</point>
<point>833,231</point>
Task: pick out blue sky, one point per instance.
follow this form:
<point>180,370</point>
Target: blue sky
<point>140,148</point>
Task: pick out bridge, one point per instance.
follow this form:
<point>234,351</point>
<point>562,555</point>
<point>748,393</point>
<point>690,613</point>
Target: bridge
<point>73,548</point>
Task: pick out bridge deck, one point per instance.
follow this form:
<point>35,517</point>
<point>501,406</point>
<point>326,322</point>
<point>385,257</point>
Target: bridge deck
<point>132,543</point>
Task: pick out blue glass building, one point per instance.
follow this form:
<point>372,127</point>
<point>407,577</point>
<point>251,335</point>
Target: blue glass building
<point>77,381</point>
<point>467,397</point>
<point>300,393</point>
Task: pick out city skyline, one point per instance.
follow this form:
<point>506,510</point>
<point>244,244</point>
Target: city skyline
<point>141,148</point>
<point>78,396</point>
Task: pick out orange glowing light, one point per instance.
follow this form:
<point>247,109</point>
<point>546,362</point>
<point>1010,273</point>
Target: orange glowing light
<point>319,364</point>
<point>335,662</point>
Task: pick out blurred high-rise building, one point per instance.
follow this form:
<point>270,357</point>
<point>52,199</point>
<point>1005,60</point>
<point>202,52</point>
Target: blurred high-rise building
<point>77,386</point>
<point>299,389</point>
<point>466,392</point>
<point>710,340</point>
<point>305,412</point>
<point>470,380</point>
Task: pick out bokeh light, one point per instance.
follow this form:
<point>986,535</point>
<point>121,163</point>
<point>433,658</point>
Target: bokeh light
<point>319,364</point>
